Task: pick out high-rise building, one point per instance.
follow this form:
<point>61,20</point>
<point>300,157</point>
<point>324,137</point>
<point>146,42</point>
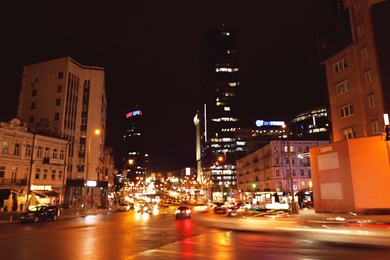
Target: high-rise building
<point>134,157</point>
<point>219,111</point>
<point>65,99</point>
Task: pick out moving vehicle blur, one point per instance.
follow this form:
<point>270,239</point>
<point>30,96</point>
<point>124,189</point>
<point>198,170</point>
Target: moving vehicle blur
<point>369,224</point>
<point>124,207</point>
<point>238,209</point>
<point>220,208</point>
<point>200,208</point>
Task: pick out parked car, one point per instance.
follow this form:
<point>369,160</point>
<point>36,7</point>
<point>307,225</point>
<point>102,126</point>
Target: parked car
<point>124,207</point>
<point>40,213</point>
<point>183,212</point>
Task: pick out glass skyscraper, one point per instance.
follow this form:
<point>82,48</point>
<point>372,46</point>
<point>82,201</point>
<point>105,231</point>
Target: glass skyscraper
<point>219,111</point>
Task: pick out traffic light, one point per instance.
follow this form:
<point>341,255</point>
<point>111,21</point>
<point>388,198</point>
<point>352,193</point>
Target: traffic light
<point>387,132</point>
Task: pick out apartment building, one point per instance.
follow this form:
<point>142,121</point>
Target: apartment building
<point>66,99</point>
<point>352,172</point>
<point>268,168</point>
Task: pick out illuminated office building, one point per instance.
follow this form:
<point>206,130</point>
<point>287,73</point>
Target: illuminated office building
<point>219,111</point>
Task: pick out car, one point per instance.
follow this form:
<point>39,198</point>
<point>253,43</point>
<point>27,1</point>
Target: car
<point>145,207</point>
<point>183,212</point>
<point>220,208</point>
<point>238,209</point>
<point>40,213</point>
<point>124,207</point>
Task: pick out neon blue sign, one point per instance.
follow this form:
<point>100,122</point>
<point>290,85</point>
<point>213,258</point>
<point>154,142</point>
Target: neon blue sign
<point>260,123</point>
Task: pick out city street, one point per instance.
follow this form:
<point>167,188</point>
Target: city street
<point>130,235</point>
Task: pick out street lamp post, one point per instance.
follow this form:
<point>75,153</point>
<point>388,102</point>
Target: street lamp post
<point>294,209</point>
<point>96,132</point>
<point>124,174</point>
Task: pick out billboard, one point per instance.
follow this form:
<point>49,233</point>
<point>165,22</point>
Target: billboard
<point>335,36</point>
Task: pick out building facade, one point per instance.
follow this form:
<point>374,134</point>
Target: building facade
<point>66,99</point>
<point>219,109</point>
<point>357,87</point>
<point>30,165</point>
<point>352,172</point>
<point>268,169</point>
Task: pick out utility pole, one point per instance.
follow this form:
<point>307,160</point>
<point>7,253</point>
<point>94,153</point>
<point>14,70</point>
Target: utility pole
<point>294,208</point>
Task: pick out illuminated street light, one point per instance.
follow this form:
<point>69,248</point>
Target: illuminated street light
<point>124,175</point>
<point>87,182</point>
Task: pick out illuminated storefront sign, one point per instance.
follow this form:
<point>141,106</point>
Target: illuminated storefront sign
<point>40,187</point>
<point>91,183</point>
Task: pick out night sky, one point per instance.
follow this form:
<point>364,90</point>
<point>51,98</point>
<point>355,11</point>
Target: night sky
<point>150,52</point>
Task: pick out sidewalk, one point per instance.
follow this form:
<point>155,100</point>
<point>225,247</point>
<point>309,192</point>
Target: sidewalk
<point>13,217</point>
